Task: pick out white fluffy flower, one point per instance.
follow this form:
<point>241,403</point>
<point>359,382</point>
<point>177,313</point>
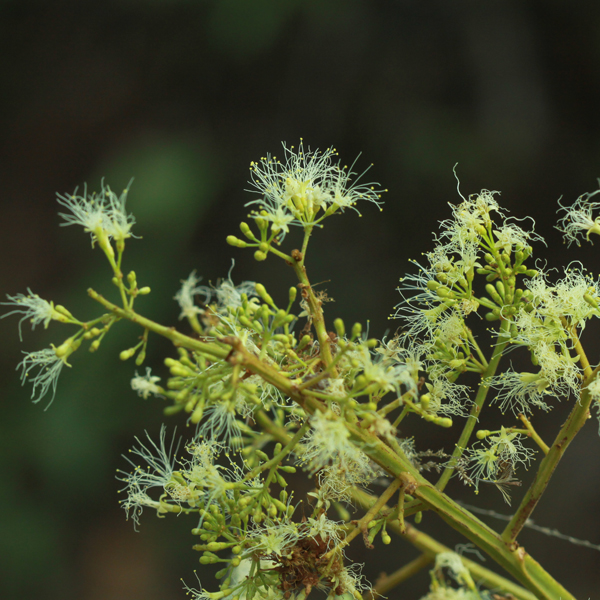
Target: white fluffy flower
<point>101,214</point>
<point>34,308</point>
<point>49,365</point>
<point>293,192</point>
<point>158,472</point>
<point>579,219</point>
<point>146,384</point>
<point>185,296</point>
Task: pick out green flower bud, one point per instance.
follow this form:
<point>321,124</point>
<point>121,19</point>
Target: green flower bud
<point>235,242</point>
<point>262,292</point>
<point>139,359</point>
<point>339,327</point>
<point>261,223</point>
<point>245,229</point>
<point>127,354</point>
<point>259,256</point>
<point>67,347</point>
<point>217,546</point>
<point>494,295</point>
<point>356,330</point>
<point>292,294</point>
<point>500,288</point>
<point>197,414</point>
<point>63,311</point>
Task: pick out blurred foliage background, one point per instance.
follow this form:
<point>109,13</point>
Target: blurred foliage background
<point>182,95</point>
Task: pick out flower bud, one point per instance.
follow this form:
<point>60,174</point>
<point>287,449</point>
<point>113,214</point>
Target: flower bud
<point>236,242</point>
<point>259,256</point>
<point>262,292</point>
<point>63,311</point>
<point>139,359</point>
<point>127,354</point>
<point>245,229</point>
<point>339,327</point>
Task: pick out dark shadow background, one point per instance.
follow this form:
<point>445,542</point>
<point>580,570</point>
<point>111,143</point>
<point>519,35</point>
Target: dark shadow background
<point>182,95</point>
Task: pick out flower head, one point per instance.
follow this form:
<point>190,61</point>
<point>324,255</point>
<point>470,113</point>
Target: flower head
<point>328,449</point>
<point>293,192</point>
<point>34,308</point>
<point>102,215</point>
<point>185,296</point>
<point>158,472</point>
<point>579,219</point>
<point>49,364</point>
<point>146,384</point>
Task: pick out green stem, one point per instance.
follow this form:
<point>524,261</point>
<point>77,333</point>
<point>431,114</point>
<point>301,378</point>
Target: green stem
<point>513,558</point>
<point>215,351</point>
<point>307,233</point>
<point>278,458</point>
<point>316,313</point>
<point>533,434</point>
<point>579,415</point>
<point>388,582</point>
<point>502,340</point>
<point>577,418</point>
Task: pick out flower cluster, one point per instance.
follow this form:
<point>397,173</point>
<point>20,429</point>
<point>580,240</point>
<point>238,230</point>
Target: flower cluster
<point>263,387</point>
<point>293,192</point>
<point>497,460</point>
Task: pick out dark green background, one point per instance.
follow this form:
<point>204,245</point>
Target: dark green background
<point>182,95</point>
